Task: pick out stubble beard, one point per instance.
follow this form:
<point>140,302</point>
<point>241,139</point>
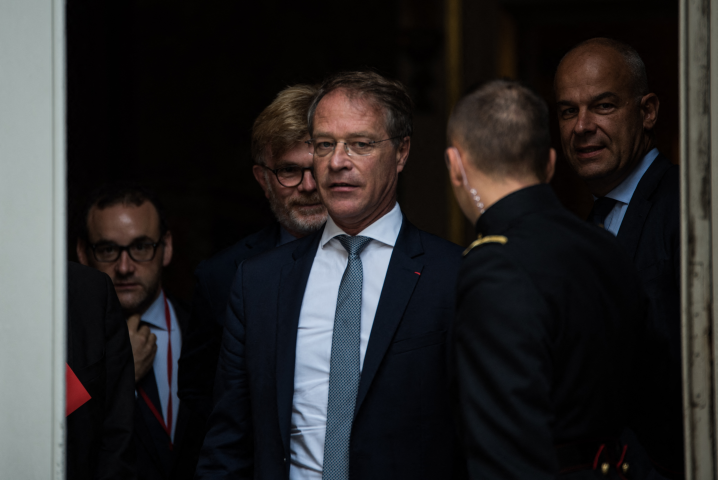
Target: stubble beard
<point>288,216</point>
<point>139,302</point>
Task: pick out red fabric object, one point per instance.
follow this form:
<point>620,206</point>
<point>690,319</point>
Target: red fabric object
<point>75,393</point>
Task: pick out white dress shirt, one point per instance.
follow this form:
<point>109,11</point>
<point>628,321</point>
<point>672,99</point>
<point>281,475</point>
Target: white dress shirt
<point>316,326</point>
<point>624,192</point>
<point>155,318</point>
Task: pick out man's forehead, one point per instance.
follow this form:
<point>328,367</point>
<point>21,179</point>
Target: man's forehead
<point>592,71</point>
<point>121,222</point>
<point>344,106</point>
<point>299,154</point>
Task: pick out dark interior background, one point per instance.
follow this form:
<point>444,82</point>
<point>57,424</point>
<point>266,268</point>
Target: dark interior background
<point>165,92</point>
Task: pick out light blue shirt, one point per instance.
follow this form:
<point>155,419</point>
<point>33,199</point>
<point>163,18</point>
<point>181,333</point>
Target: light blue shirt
<point>155,318</point>
<point>624,192</point>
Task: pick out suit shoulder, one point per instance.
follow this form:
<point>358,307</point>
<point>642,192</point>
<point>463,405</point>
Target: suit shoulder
<point>281,254</point>
<point>84,278</point>
<point>249,246</point>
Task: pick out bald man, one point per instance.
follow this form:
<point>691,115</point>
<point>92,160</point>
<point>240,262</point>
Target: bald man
<point>607,116</point>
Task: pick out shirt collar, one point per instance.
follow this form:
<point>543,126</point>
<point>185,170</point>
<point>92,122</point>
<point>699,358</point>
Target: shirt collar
<point>155,315</point>
<point>624,191</point>
<point>384,230</point>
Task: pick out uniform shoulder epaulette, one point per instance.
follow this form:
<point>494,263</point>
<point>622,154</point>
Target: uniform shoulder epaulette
<point>482,240</point>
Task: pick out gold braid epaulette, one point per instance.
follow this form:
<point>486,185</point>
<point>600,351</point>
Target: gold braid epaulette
<point>490,239</point>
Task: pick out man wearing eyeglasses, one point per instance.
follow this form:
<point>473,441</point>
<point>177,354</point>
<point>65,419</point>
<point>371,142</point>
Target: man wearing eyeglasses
<point>125,235</point>
<point>283,164</point>
<point>333,361</point>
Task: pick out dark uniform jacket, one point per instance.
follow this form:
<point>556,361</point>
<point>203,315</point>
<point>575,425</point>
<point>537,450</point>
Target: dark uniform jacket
<point>402,426</point>
<point>553,345</point>
<point>99,433</point>
<point>200,350</point>
<point>156,460</point>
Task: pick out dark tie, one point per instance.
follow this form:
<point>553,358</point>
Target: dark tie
<point>344,368</point>
<point>601,208</point>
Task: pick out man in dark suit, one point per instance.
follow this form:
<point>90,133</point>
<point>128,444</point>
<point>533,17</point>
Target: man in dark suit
<point>554,349</point>
<point>281,159</point>
<point>333,360</point>
<point>125,235</point>
<point>99,432</point>
<point>607,117</point>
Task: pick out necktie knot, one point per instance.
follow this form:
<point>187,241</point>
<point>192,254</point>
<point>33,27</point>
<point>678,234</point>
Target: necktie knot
<point>601,208</point>
<point>353,245</point>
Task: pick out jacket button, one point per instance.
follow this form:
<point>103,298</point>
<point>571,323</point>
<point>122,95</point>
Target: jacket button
<point>604,468</point>
<point>624,467</point>
<point>284,460</point>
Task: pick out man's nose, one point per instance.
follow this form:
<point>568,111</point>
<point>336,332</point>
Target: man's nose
<point>340,157</point>
<point>124,264</point>
<point>308,184</point>
<point>585,123</point>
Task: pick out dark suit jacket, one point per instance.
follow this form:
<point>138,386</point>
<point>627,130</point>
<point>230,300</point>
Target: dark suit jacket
<point>99,433</point>
<point>155,459</point>
<point>200,352</point>
<point>554,344</point>
<point>402,427</point>
<point>650,233</point>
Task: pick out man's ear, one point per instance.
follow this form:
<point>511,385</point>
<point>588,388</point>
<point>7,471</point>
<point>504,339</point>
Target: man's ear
<point>453,163</point>
<point>649,108</point>
<point>81,249</point>
<point>402,153</point>
<point>550,166</point>
<point>260,174</point>
<point>167,255</point>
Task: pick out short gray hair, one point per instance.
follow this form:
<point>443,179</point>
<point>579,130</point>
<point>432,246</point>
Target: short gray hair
<point>390,95</point>
<point>505,129</point>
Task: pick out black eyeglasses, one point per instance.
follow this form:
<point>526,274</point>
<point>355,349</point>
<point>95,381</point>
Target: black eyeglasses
<point>141,251</point>
<point>291,176</point>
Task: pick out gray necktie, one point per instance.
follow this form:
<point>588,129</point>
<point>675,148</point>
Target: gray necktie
<point>344,364</point>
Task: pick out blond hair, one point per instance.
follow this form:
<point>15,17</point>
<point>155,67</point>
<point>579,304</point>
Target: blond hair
<point>283,123</point>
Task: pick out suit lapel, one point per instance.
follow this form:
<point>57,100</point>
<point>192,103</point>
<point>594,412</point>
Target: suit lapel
<point>154,437</point>
<point>292,284</point>
<point>183,415</point>
<point>401,279</point>
<point>629,233</point>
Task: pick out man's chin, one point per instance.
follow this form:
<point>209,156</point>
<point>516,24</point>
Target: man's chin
<point>133,303</point>
<point>596,169</point>
<point>307,220</point>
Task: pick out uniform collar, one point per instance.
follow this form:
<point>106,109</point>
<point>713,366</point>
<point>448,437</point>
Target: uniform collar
<point>155,315</point>
<point>384,230</point>
<point>500,216</point>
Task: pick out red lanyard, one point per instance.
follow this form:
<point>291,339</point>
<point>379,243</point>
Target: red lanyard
<point>166,426</point>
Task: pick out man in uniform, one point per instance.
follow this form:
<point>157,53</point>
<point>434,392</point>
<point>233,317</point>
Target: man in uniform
<point>607,117</point>
<point>552,343</point>
<point>283,169</point>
